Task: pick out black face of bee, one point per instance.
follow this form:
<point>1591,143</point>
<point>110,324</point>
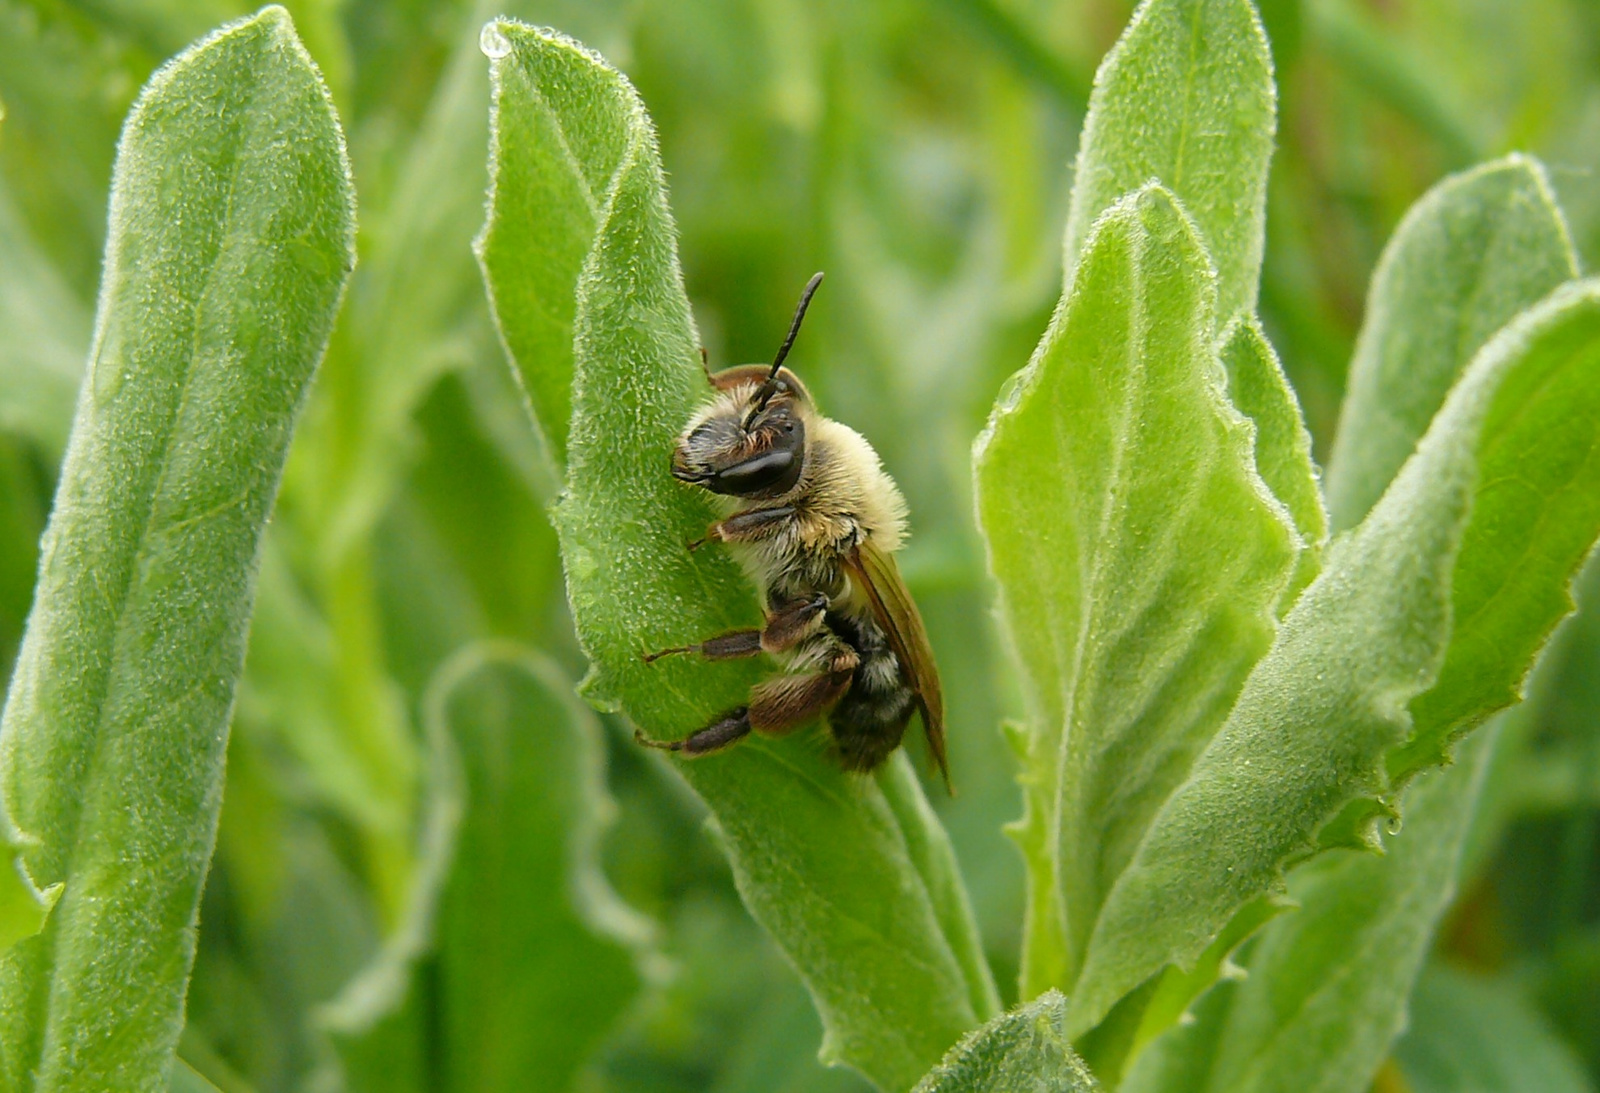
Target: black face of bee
<point>758,460</point>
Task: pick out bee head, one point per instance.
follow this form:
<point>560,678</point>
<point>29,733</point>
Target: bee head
<point>734,451</point>
<point>751,442</point>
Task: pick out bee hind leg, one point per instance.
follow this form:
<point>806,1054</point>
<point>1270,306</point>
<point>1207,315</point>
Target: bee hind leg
<point>779,706</point>
<point>721,733</point>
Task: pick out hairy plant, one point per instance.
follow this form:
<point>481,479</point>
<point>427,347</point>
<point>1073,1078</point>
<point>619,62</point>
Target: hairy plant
<point>1240,679</point>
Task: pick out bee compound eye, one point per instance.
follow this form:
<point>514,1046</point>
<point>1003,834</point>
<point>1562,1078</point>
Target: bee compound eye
<point>768,474</point>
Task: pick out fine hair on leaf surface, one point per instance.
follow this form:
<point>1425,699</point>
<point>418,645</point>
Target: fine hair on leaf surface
<point>231,235</point>
<point>1185,98</point>
<point>1024,1051</point>
<point>1257,565</point>
<point>1360,654</point>
<point>1140,557</point>
<point>853,876</point>
<point>1394,640</point>
<point>1476,249</point>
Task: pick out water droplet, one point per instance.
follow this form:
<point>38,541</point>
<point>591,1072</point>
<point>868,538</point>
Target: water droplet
<point>1011,391</point>
<point>108,367</point>
<point>493,43</point>
<point>582,564</point>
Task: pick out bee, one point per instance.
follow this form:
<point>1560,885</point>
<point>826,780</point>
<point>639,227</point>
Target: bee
<point>817,522</point>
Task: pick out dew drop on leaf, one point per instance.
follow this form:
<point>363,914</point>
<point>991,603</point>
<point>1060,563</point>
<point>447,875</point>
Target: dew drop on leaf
<point>493,43</point>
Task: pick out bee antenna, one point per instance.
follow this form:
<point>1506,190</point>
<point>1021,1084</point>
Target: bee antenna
<point>770,387</point>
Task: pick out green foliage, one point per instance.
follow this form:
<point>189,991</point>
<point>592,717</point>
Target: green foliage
<point>1334,978</point>
<point>229,243</point>
<point>562,126</point>
<point>1024,1050</point>
<point>1424,621</point>
<point>1260,390</point>
<point>1186,98</point>
<point>185,1079</point>
<point>527,913</point>
<point>1363,648</point>
<point>1140,555</point>
<point>418,883</point>
<point>1466,1032</point>
<point>1323,991</point>
<point>23,908</point>
<point>1479,248</point>
<point>854,878</point>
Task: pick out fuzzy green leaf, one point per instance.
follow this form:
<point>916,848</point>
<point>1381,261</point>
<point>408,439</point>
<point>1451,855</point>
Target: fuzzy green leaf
<point>1140,557</point>
<point>1024,1051</point>
<point>853,877</point>
<point>1258,387</point>
<point>561,123</point>
<point>1475,250</point>
<point>231,235</point>
<point>1504,491</point>
<point>1324,989</point>
<point>1185,98</point>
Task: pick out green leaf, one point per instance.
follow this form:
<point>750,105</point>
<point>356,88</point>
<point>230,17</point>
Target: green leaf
<point>1323,991</point>
<point>561,123</point>
<point>528,916</point>
<point>1260,390</point>
<point>1139,555</point>
<point>1475,250</point>
<point>853,876</point>
<point>231,234</point>
<point>1185,98</point>
<point>1024,1051</point>
<point>1468,1032</point>
<point>507,896</point>
<point>1504,491</point>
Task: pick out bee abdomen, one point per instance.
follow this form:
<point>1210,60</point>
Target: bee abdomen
<point>868,723</point>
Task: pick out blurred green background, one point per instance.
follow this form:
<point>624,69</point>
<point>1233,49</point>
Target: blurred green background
<point>920,153</point>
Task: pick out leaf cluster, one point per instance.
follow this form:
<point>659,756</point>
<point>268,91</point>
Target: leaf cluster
<point>389,848</point>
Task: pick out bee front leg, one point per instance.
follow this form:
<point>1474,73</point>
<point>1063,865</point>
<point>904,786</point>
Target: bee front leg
<point>747,526</point>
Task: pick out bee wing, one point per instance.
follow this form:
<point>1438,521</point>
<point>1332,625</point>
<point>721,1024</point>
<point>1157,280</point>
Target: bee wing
<point>897,613</point>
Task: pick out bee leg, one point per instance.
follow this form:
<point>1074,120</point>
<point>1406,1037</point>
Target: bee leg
<point>793,623</point>
<point>730,646</point>
<point>722,733</point>
<point>747,526</point>
<point>785,627</point>
<point>782,705</point>
<point>777,706</point>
